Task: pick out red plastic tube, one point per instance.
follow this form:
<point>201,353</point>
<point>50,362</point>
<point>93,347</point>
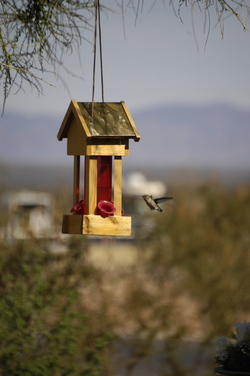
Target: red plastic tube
<point>104,178</point>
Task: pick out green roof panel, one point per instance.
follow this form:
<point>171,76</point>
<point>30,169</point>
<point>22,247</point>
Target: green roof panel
<point>109,119</point>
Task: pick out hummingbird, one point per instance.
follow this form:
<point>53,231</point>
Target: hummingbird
<point>153,202</point>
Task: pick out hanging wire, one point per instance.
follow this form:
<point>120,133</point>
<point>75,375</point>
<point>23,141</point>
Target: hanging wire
<point>97,28</point>
<point>100,46</point>
<point>94,61</point>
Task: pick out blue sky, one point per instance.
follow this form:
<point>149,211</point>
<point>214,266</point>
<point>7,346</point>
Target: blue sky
<point>156,62</point>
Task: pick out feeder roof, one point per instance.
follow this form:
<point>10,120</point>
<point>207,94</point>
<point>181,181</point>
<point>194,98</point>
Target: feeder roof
<point>109,120</point>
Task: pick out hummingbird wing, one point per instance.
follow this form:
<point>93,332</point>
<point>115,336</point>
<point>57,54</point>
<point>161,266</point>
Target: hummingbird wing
<point>162,199</point>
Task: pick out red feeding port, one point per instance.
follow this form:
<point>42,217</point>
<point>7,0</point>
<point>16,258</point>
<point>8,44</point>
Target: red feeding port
<point>106,208</point>
<point>78,208</point>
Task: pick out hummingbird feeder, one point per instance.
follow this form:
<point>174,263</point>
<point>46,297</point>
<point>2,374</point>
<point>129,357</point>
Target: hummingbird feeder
<point>100,132</point>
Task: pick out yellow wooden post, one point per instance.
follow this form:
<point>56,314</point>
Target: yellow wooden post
<point>91,184</point>
<point>118,184</point>
<point>76,185</point>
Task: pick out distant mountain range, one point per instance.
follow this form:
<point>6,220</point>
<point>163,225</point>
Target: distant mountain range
<point>209,137</point>
<point>184,136</point>
<point>29,139</point>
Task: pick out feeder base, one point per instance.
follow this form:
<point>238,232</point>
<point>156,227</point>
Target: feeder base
<point>91,224</point>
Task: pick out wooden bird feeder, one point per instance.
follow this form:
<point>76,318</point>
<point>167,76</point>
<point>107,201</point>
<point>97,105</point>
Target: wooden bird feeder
<point>100,132</point>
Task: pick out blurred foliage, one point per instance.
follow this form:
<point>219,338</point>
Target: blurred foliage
<point>45,327</point>
<point>194,264</point>
<point>36,35</point>
<point>186,285</point>
<point>222,8</point>
<point>207,237</point>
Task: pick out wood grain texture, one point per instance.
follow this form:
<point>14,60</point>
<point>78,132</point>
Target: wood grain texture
<point>118,185</point>
<point>96,225</point>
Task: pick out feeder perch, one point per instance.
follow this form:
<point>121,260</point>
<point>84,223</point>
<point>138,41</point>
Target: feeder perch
<point>101,133</point>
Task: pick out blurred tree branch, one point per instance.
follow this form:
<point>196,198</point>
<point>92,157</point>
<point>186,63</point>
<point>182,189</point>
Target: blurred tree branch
<point>222,8</point>
<point>36,34</point>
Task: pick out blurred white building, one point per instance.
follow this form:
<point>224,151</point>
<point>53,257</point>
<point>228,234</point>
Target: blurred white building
<point>29,214</point>
<point>137,184</point>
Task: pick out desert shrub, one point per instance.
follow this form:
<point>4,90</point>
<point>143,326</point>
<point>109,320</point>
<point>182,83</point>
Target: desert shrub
<point>191,282</point>
<point>187,286</point>
<point>46,328</point>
